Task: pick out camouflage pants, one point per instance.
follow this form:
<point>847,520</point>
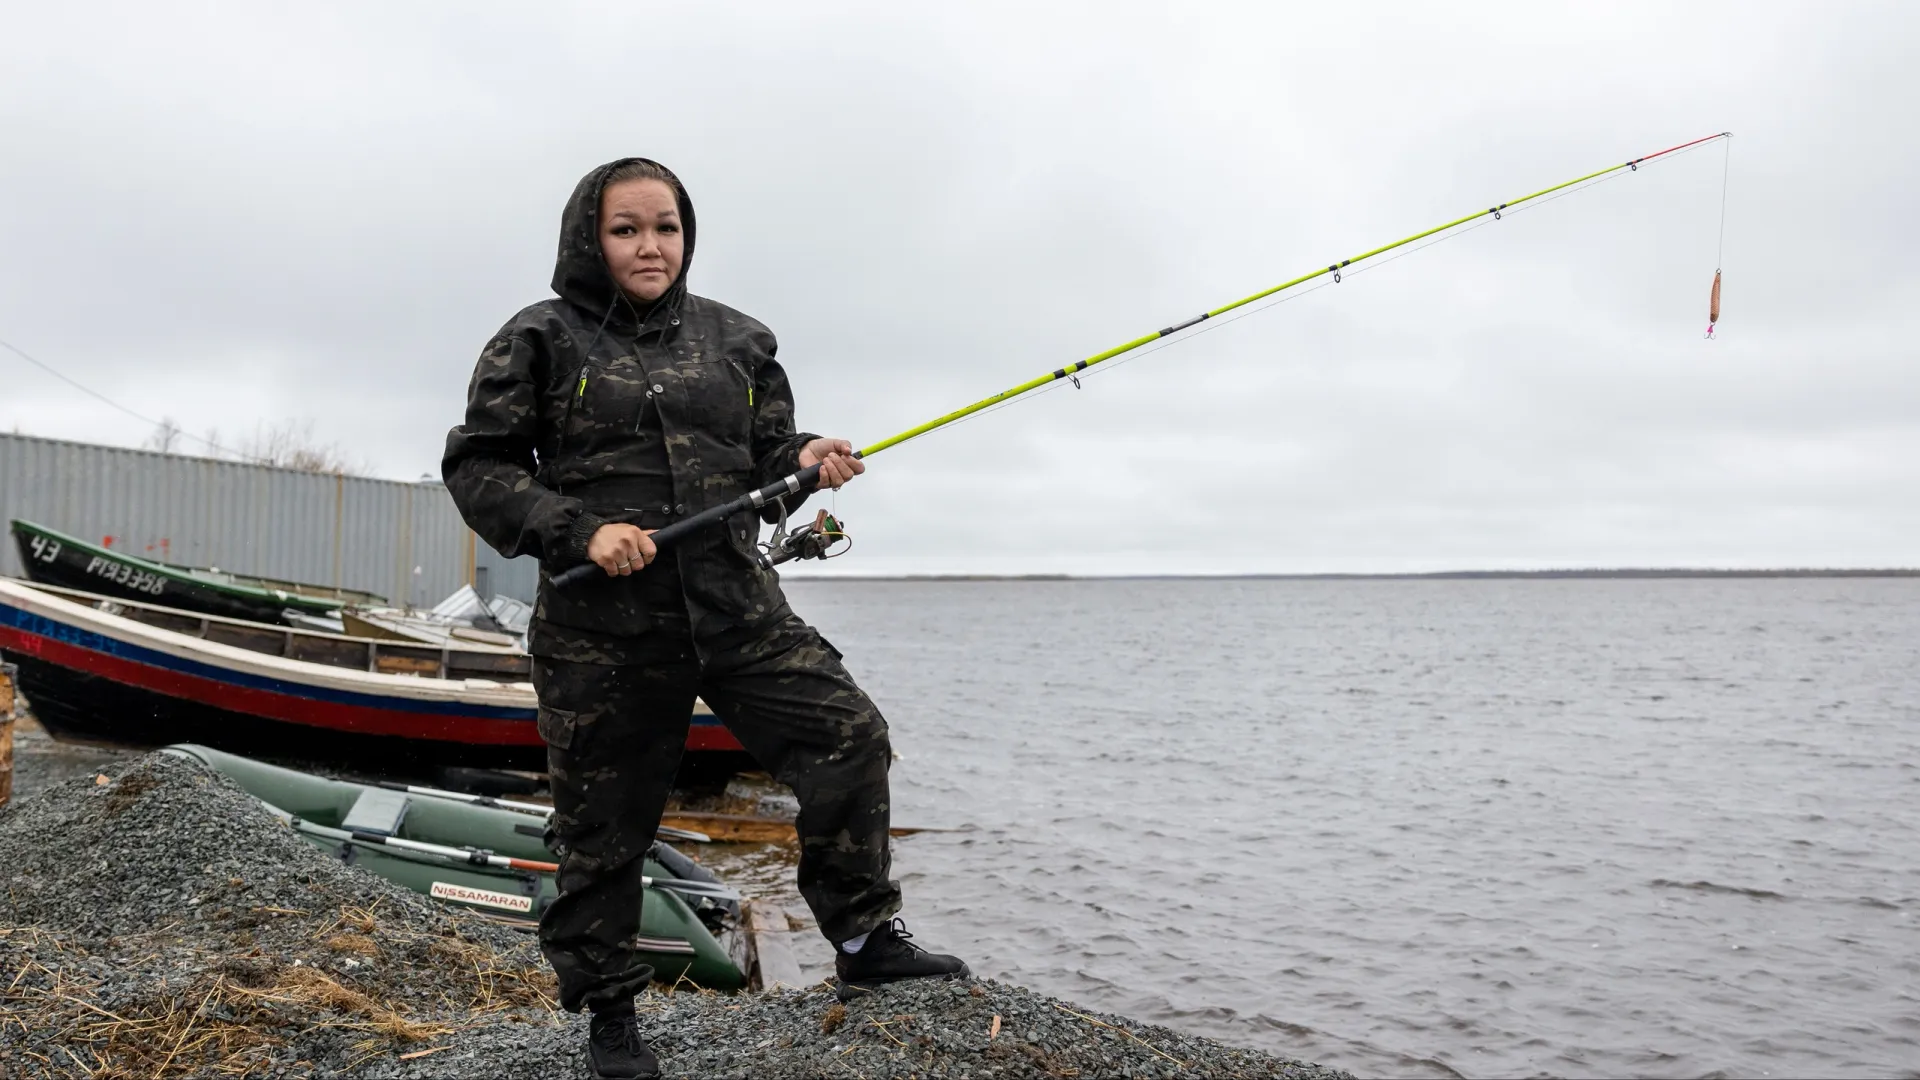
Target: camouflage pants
<point>614,737</point>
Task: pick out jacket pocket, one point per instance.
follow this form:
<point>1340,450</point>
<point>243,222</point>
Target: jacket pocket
<point>556,726</point>
<point>600,605</point>
<point>720,395</point>
<point>743,533</point>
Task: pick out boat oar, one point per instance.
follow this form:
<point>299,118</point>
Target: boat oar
<point>736,827</point>
<point>483,857</point>
<point>665,832</point>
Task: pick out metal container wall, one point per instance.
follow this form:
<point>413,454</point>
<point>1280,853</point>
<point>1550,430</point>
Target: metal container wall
<point>497,575</point>
<point>402,541</point>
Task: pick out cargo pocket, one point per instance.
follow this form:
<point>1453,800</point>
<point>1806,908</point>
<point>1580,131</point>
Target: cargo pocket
<point>743,538</point>
<point>829,646</point>
<point>556,727</point>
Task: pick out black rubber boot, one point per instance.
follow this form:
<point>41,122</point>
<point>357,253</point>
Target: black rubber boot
<point>889,956</point>
<point>613,1041</point>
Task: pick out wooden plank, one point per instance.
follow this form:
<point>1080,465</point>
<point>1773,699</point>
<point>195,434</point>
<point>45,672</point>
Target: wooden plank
<point>739,946</point>
<point>362,625</point>
<point>250,636</point>
<point>771,946</point>
<point>744,829</point>
<point>467,664</point>
<point>6,733</point>
<point>333,651</point>
<point>732,828</point>
<point>390,663</point>
<point>190,625</point>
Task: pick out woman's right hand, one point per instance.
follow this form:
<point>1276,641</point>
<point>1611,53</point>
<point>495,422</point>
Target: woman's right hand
<point>621,549</point>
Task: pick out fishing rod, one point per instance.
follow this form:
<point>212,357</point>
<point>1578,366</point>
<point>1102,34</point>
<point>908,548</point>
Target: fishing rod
<point>800,544</point>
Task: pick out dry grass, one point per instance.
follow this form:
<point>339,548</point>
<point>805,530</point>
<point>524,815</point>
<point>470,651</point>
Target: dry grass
<point>357,920</point>
<point>496,987</point>
<point>1122,1031</point>
<point>488,985</point>
<point>212,1025</point>
<point>226,1009</point>
<point>206,1027</point>
<point>353,943</point>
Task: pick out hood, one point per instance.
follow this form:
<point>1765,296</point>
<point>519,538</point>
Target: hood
<point>580,273</point>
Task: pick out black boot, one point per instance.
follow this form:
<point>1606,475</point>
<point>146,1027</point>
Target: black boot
<point>613,1041</point>
<point>888,956</point>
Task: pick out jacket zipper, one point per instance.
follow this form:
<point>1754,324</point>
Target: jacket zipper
<point>744,374</point>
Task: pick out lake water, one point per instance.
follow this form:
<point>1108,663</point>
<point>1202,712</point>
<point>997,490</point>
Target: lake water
<point>1417,828</point>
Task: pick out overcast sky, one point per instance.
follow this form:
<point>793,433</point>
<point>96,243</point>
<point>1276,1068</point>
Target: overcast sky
<point>245,213</point>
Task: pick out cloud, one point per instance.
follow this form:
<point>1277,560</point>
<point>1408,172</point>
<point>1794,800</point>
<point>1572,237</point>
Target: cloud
<point>233,213</point>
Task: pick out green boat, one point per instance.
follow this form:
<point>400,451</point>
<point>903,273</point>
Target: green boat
<point>485,858</point>
<point>54,558</point>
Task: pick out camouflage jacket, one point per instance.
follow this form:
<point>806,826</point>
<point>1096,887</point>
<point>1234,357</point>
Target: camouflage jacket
<point>587,409</point>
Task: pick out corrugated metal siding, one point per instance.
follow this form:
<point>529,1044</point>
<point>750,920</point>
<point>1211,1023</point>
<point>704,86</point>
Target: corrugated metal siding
<point>496,575</point>
<point>402,541</point>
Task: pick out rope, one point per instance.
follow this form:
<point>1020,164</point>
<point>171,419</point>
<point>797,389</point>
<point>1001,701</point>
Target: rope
<point>90,392</point>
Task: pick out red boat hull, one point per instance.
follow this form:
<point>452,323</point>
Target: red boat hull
<point>90,684</point>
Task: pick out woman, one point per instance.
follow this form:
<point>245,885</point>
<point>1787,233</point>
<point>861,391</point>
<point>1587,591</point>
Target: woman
<point>592,420</point>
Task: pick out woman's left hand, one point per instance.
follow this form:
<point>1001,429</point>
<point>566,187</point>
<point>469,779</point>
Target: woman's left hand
<point>836,461</point>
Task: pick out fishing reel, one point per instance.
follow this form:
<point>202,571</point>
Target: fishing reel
<point>820,538</point>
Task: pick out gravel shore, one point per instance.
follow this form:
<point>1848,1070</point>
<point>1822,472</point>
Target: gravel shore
<point>156,923</point>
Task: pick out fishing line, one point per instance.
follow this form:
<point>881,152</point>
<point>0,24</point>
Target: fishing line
<point>1269,305</point>
<point>1720,246</point>
<point>1441,239</point>
<point>90,392</point>
<point>1726,168</point>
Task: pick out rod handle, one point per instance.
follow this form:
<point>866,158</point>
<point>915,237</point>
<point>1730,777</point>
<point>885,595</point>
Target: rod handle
<point>805,480</point>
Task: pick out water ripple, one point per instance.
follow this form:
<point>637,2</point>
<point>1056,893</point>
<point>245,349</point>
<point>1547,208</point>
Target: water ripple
<point>1592,828</point>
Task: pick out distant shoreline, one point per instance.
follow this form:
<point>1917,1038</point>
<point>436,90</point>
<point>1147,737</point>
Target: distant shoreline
<point>1622,574</point>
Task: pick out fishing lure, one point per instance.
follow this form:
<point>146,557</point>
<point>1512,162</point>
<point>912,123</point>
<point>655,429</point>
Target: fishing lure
<point>1713,306</point>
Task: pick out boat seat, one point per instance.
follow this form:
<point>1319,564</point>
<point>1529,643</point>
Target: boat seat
<point>377,811</point>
